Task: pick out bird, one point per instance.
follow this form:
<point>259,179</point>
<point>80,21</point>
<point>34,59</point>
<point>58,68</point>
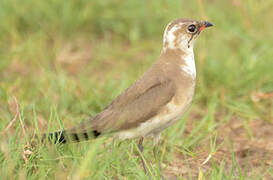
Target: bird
<point>157,100</point>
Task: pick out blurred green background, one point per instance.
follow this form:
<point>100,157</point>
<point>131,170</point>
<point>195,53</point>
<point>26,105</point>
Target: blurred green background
<point>64,60</point>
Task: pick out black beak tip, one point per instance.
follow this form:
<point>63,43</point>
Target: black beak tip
<point>208,24</point>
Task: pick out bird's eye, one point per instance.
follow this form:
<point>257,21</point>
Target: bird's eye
<point>192,28</point>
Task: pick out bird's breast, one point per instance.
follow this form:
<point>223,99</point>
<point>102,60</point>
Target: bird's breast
<point>168,115</point>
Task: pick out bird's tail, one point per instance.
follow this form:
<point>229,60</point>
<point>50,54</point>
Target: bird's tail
<point>67,136</point>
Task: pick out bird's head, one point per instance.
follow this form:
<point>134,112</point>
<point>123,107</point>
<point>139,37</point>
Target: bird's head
<point>182,33</point>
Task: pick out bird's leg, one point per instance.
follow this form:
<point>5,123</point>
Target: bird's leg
<point>157,154</point>
<point>157,157</point>
<point>140,147</point>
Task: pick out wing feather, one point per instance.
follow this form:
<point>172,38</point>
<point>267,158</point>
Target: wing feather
<point>137,104</point>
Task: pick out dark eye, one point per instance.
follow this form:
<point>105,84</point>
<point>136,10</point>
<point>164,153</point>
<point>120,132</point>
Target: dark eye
<point>192,28</point>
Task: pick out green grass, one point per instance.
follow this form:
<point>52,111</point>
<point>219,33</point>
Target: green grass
<point>65,60</point>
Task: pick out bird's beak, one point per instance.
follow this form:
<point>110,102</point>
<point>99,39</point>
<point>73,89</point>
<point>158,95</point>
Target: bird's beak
<point>205,25</point>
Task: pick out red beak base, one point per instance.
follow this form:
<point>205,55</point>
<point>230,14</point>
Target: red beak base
<point>205,25</point>
<point>202,28</point>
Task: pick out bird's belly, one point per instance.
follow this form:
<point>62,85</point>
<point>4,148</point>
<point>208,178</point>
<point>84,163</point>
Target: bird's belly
<point>170,114</point>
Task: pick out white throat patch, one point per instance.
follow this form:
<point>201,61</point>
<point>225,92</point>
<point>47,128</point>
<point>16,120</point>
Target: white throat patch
<point>189,66</point>
<point>169,43</point>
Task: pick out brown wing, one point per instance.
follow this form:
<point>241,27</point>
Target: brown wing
<point>137,104</point>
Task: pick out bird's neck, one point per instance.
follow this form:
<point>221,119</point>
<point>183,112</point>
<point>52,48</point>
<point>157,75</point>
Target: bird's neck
<point>181,57</point>
<point>178,52</point>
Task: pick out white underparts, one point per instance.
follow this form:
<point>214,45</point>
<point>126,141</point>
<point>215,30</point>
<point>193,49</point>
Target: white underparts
<point>156,125</point>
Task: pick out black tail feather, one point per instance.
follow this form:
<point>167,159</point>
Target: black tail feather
<point>62,137</point>
<point>96,133</point>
